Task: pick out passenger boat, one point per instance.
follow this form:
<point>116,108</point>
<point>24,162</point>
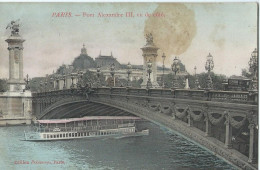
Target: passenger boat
<point>85,127</point>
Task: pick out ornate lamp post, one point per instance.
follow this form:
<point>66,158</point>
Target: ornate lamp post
<point>209,66</point>
<point>80,79</point>
<point>64,79</point>
<point>57,82</point>
<point>197,84</point>
<point>149,71</point>
<point>163,57</point>
<point>73,75</point>
<point>175,69</point>
<point>129,67</point>
<point>45,85</point>
<point>98,76</point>
<point>41,86</point>
<point>253,64</point>
<point>51,83</point>
<point>112,72</point>
<point>27,87</point>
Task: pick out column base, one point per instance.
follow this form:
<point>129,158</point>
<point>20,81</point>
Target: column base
<point>229,146</point>
<point>253,161</point>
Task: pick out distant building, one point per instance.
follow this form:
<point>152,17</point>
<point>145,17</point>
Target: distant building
<point>104,62</point>
<point>84,61</point>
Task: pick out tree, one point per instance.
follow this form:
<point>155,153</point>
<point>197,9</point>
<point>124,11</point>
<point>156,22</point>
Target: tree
<point>246,73</point>
<point>91,78</point>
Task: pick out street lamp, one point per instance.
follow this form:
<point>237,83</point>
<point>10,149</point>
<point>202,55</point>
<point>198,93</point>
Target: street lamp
<point>163,57</point>
<point>45,84</point>
<point>27,87</point>
<point>80,77</point>
<point>209,67</point>
<point>64,78</point>
<point>175,69</point>
<point>149,71</point>
<point>129,67</point>
<point>51,84</point>
<point>112,72</point>
<point>253,64</point>
<point>41,86</point>
<point>57,82</point>
<point>98,76</point>
<point>73,75</point>
<point>197,84</point>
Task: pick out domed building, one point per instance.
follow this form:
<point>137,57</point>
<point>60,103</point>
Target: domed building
<point>84,61</point>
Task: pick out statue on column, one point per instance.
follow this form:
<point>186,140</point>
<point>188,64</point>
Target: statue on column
<point>149,39</point>
<point>14,26</point>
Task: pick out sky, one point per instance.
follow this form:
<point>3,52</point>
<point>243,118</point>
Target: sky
<point>188,30</point>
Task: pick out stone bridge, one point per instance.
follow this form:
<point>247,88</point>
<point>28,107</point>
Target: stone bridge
<point>224,122</point>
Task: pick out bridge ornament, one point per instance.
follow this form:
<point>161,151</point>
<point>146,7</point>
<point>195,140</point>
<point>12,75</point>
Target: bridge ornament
<point>234,121</point>
<point>166,109</point>
<point>155,107</point>
<point>215,118</point>
<point>196,113</point>
<point>180,111</point>
<point>252,118</point>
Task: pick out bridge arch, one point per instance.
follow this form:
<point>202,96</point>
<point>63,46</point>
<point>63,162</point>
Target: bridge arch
<point>82,108</point>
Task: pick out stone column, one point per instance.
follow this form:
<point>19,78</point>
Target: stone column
<point>251,156</point>
<point>228,143</point>
<point>149,55</point>
<point>190,120</point>
<point>15,47</point>
<point>208,126</point>
<point>21,64</point>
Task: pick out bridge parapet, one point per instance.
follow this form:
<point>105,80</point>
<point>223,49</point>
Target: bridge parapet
<point>203,95</point>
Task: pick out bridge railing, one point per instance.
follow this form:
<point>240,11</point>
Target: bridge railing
<point>191,94</point>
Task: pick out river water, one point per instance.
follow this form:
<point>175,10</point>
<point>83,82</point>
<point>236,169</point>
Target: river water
<point>162,149</point>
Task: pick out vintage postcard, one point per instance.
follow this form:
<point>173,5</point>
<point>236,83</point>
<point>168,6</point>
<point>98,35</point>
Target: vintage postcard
<point>148,85</point>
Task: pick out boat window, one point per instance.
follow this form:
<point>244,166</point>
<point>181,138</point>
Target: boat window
<point>44,136</point>
<point>60,135</point>
<point>47,136</point>
<point>66,135</point>
<point>76,134</point>
<point>70,135</point>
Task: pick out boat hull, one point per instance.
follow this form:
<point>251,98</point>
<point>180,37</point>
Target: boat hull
<point>58,136</point>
